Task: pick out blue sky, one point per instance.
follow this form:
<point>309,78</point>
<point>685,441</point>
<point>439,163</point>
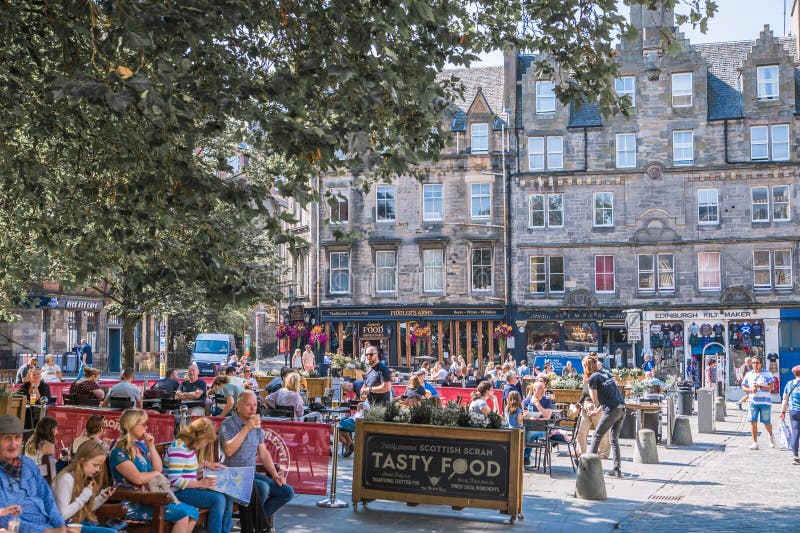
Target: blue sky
<point>736,20</point>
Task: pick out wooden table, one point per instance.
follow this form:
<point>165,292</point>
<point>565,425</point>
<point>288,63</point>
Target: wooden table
<point>639,408</point>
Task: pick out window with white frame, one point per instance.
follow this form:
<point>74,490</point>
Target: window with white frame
<point>604,273</point>
<point>779,135</point>
<point>769,142</point>
<point>626,150</point>
<point>682,89</point>
<point>339,272</point>
<point>626,86</point>
<point>432,201</point>
<point>385,271</point>
<point>433,270</point>
<point>772,269</point>
<point>767,82</point>
<point>480,200</point>
<point>603,209</point>
<point>683,147</point>
<point>551,159</point>
<point>480,138</point>
<point>482,269</point>
<point>545,97</point>
<point>656,273</point>
<point>708,271</point>
<point>340,210</point>
<point>708,206</point>
<point>770,203</point>
<point>546,210</point>
<point>384,205</point>
<point>301,273</point>
<point>546,274</point>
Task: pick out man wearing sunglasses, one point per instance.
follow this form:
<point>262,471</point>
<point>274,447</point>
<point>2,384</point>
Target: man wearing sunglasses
<point>758,384</point>
<point>378,379</point>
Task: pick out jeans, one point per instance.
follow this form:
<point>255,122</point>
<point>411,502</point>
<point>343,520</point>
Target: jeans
<point>531,436</point>
<point>220,507</point>
<point>80,371</point>
<point>611,420</point>
<point>794,420</point>
<point>91,527</point>
<point>273,496</point>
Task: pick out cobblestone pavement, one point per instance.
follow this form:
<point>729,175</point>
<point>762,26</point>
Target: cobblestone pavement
<point>728,488</point>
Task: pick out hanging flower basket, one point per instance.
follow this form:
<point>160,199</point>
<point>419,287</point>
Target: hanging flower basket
<point>502,332</point>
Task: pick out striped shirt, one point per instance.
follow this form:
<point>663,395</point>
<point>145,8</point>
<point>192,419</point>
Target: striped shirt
<point>181,465</point>
<point>792,390</point>
<point>763,397</point>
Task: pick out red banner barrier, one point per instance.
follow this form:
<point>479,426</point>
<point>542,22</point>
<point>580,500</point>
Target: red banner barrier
<point>72,421</point>
<point>300,448</point>
<point>452,393</point>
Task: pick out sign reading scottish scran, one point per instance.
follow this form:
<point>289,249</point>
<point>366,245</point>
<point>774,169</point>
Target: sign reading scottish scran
<point>436,466</point>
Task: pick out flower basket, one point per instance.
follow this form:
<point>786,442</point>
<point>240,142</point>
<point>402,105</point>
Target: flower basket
<point>501,333</point>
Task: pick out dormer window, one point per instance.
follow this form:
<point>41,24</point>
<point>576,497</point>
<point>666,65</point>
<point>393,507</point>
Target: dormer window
<point>545,97</point>
<point>767,82</point>
<point>480,138</point>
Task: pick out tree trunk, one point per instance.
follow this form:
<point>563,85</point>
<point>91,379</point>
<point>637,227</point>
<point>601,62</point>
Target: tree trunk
<point>128,351</point>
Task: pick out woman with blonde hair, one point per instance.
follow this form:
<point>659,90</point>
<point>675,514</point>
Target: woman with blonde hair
<point>77,488</point>
<point>608,400</point>
<point>297,360</point>
<point>415,386</point>
<point>289,396</point>
<point>188,457</point>
<point>135,461</point>
<point>51,372</point>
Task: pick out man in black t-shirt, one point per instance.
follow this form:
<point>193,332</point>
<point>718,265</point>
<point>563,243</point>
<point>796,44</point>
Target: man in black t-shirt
<point>193,392</point>
<point>378,379</point>
<point>605,394</point>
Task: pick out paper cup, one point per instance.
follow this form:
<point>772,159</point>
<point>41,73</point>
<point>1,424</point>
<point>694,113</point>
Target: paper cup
<point>74,528</point>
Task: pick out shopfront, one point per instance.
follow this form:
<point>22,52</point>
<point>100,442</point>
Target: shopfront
<point>729,335</point>
<point>789,343</point>
<point>572,330</point>
<point>402,333</point>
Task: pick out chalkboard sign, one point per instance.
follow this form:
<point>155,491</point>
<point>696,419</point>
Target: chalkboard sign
<point>436,466</point>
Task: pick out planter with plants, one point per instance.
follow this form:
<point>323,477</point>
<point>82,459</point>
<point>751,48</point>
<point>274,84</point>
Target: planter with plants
<point>567,389</point>
<point>10,404</point>
<point>437,454</point>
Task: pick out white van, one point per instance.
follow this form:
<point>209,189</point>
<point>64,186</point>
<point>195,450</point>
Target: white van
<point>211,350</point>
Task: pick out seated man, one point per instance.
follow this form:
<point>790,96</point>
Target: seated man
<point>242,441</point>
<point>192,392</point>
<point>169,383</point>
<point>277,381</point>
<point>22,485</point>
<point>125,389</point>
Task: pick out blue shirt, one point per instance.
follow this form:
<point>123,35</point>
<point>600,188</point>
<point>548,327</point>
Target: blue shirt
<point>430,388</point>
<point>247,452</point>
<point>761,397</point>
<point>31,492</point>
<point>87,349</point>
<point>524,371</point>
<point>648,366</point>
<point>117,456</point>
<point>792,390</point>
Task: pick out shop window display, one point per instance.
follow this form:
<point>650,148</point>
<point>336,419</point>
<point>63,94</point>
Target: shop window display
<point>745,339</point>
<point>543,336</point>
<point>581,336</point>
<point>666,346</point>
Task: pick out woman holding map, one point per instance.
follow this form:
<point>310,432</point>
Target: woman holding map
<point>188,458</point>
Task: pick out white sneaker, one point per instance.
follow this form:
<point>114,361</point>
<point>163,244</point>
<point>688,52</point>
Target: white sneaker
<point>754,446</point>
<point>772,441</point>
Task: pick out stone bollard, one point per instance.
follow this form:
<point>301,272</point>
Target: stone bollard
<point>590,484</point>
<point>646,451</point>
<point>682,432</point>
<point>719,409</point>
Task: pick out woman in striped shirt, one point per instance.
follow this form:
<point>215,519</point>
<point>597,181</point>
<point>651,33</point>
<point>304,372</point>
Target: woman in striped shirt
<point>190,450</point>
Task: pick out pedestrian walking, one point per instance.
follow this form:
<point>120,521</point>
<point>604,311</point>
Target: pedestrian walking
<point>791,403</point>
<point>606,396</point>
<point>758,384</point>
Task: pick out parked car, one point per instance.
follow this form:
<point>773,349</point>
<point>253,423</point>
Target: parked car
<point>211,350</point>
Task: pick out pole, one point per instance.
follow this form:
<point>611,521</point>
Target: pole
<point>162,348</point>
<point>332,502</point>
<point>256,350</point>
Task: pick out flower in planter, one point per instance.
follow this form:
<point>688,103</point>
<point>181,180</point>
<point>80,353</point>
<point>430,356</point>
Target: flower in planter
<point>502,332</point>
<point>317,336</point>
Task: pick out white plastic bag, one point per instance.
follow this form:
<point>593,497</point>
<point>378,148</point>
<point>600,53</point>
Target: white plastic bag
<point>785,433</point>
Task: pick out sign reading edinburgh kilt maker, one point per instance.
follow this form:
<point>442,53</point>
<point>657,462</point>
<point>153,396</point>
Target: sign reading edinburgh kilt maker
<point>436,466</point>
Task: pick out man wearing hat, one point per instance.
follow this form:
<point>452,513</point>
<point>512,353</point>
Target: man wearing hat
<point>22,484</point>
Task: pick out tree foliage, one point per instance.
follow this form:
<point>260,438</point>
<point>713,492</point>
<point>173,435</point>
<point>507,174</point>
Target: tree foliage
<point>104,104</point>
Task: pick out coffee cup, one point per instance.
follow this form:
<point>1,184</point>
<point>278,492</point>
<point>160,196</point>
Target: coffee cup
<point>74,527</point>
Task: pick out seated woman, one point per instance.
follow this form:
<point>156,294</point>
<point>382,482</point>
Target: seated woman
<point>134,462</point>
<point>219,400</point>
<point>43,440</point>
<point>289,396</point>
<point>92,431</point>
<point>415,386</point>
<point>77,488</point>
<point>539,406</point>
<point>87,387</point>
<point>481,397</point>
<point>190,450</point>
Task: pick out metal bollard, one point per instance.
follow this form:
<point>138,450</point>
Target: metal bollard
<point>332,502</point>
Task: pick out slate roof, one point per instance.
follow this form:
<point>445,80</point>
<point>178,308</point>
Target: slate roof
<point>490,80</point>
<point>724,87</point>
